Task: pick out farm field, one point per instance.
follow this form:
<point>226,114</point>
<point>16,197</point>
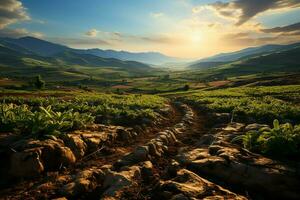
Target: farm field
<point>92,129</point>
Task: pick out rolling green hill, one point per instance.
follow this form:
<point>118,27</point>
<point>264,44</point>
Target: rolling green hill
<point>17,62</point>
<point>223,58</point>
<point>206,65</point>
<point>282,61</point>
<point>71,58</point>
<point>251,51</point>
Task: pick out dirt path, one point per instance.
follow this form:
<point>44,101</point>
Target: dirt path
<point>163,143</point>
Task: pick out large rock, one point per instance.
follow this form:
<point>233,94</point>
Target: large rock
<point>239,167</point>
<point>190,156</point>
<point>55,156</point>
<point>116,182</point>
<point>26,164</point>
<point>94,139</point>
<point>264,180</point>
<point>190,185</point>
<point>76,144</point>
<point>140,154</point>
<point>85,181</point>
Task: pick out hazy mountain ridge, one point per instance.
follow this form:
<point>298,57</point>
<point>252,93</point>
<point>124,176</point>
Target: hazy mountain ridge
<point>45,48</point>
<point>248,52</point>
<point>252,52</point>
<point>146,57</point>
<point>42,50</point>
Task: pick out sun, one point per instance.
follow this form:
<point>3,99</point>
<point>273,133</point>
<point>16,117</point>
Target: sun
<point>196,37</point>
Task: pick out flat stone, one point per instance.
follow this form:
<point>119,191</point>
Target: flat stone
<point>255,126</point>
<point>190,185</point>
<point>115,182</point>
<point>234,127</point>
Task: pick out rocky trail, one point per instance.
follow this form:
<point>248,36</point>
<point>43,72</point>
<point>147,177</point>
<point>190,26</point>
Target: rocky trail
<point>179,157</point>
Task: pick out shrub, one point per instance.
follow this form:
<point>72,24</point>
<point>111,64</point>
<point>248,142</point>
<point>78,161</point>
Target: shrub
<point>39,83</point>
<point>186,87</point>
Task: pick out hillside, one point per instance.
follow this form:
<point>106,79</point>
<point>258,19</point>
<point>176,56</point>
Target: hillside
<point>37,46</point>
<point>16,61</point>
<point>71,58</point>
<point>237,55</point>
<point>282,61</point>
<point>205,65</point>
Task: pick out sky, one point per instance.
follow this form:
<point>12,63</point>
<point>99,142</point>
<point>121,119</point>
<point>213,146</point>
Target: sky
<point>179,28</point>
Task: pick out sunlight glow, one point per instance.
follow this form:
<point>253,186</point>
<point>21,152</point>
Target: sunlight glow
<point>196,37</point>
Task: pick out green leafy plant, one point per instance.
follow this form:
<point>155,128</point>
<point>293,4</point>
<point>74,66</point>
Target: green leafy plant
<point>282,140</point>
<point>42,116</point>
<point>259,104</point>
<point>44,121</point>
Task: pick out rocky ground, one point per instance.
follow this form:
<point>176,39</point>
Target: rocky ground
<point>178,157</point>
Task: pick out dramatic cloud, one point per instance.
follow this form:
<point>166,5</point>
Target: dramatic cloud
<point>92,33</point>
<point>244,10</point>
<point>12,11</point>
<point>283,29</point>
<point>294,33</point>
<point>16,33</point>
<point>247,39</point>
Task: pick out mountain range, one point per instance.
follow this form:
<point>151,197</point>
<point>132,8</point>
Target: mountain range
<point>58,55</point>
<point>45,48</point>
<point>28,56</point>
